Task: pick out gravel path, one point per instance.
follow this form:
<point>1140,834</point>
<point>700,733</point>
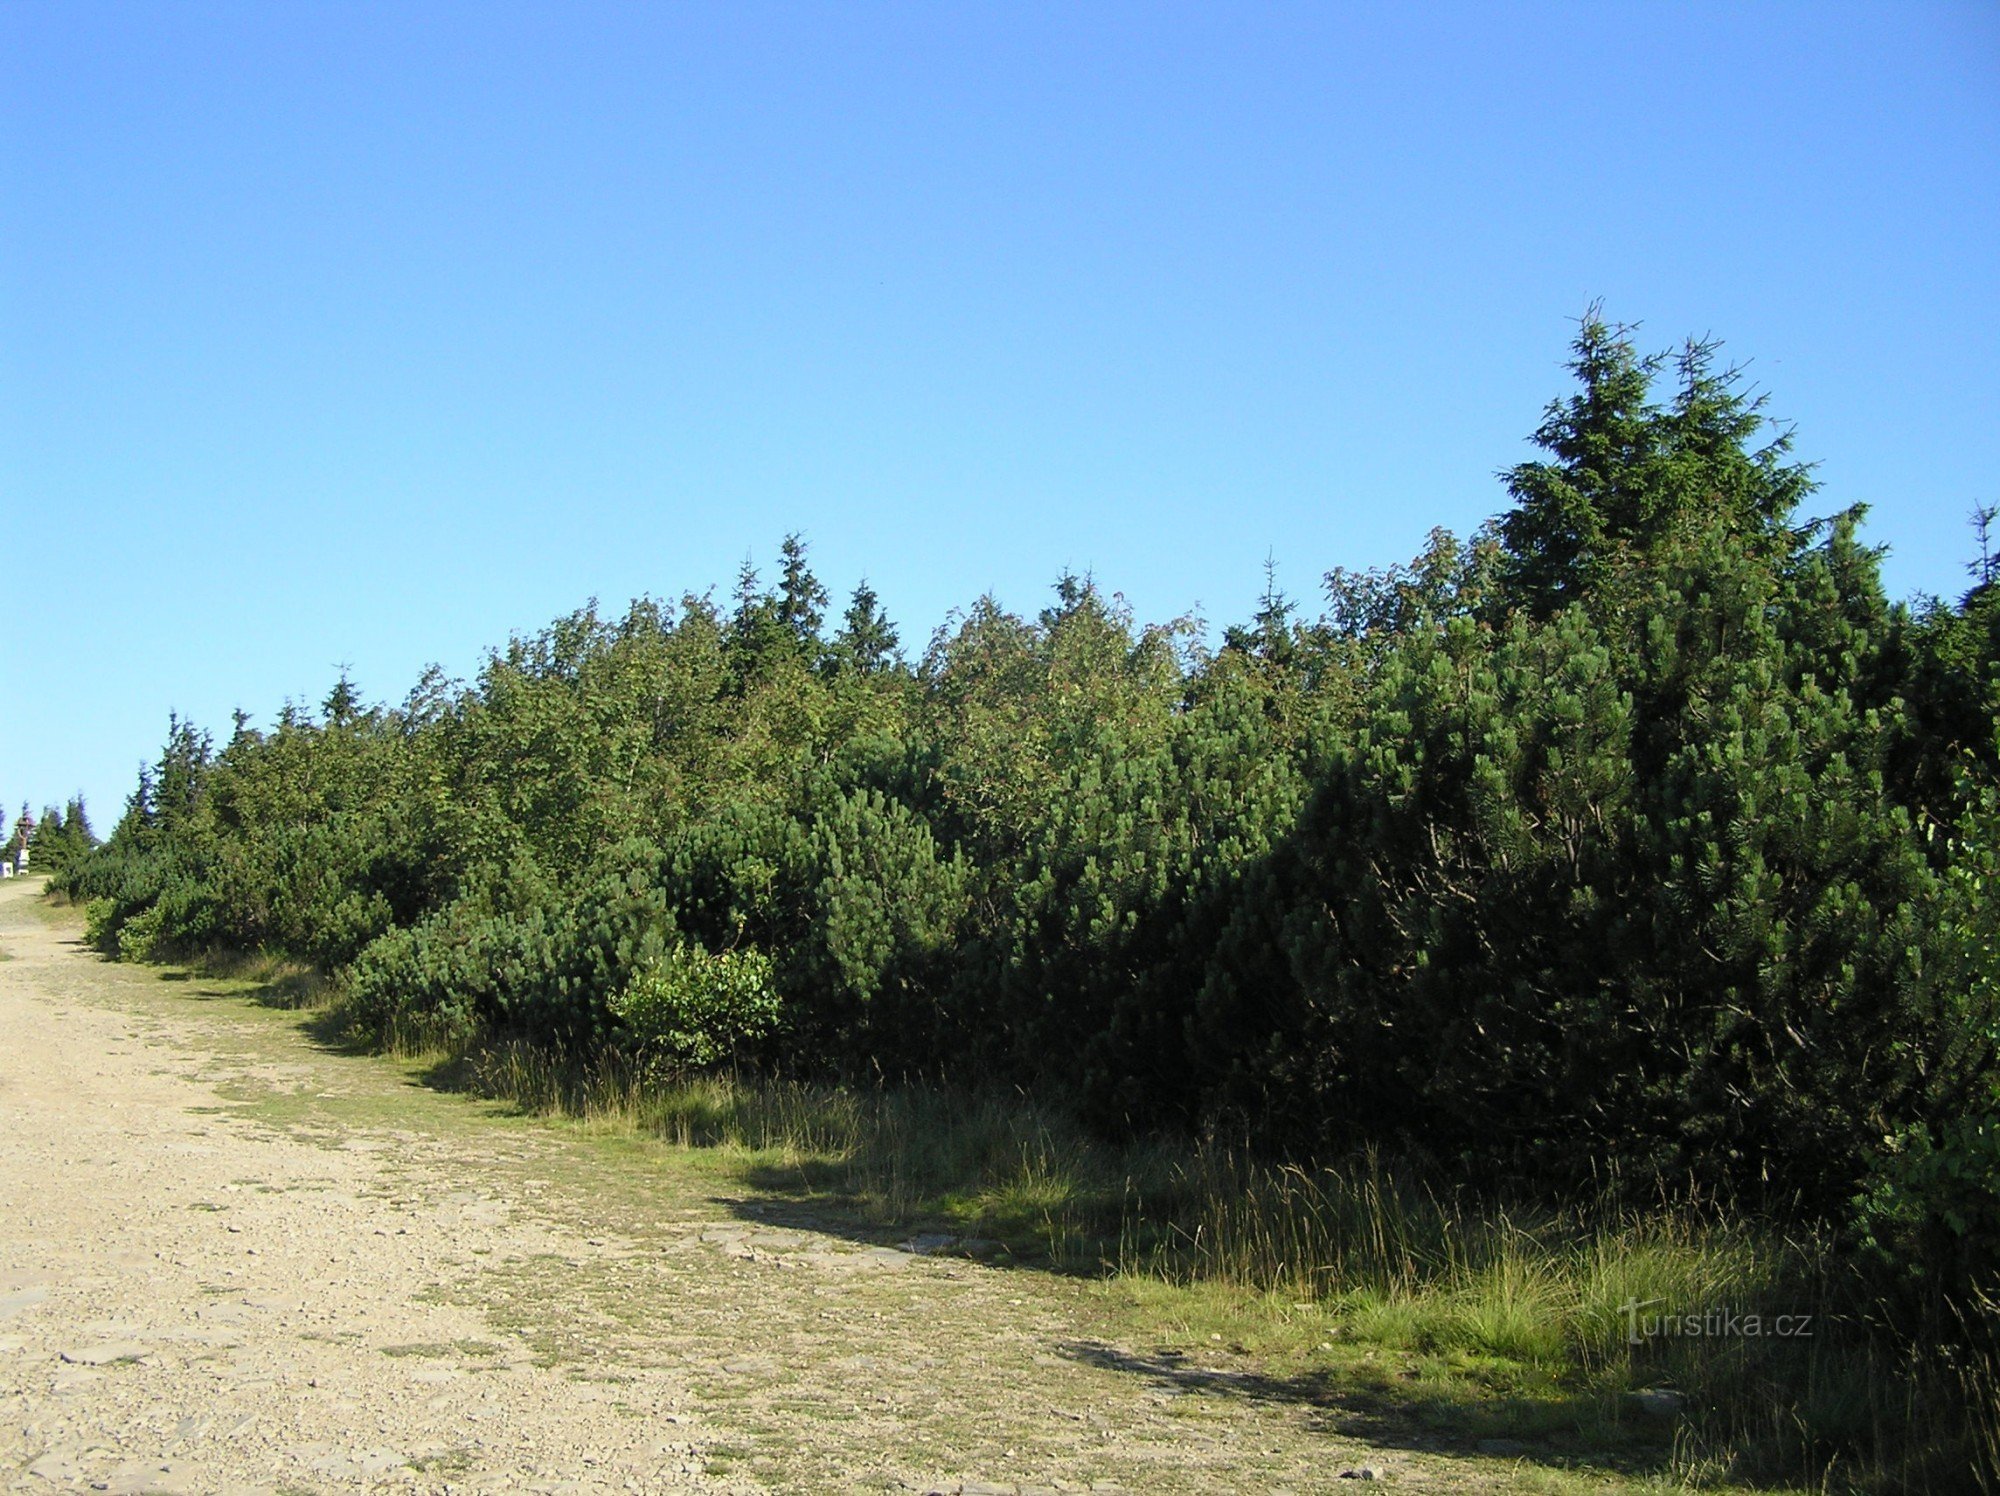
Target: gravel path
<point>232,1261</point>
<point>188,1303</point>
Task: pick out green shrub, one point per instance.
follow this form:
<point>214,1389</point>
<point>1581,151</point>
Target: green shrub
<point>101,919</point>
<point>464,969</point>
<point>1928,1216</point>
<point>139,936</point>
<point>691,1007</point>
<point>1931,1209</point>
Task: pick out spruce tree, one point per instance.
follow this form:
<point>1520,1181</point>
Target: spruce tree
<point>342,704</point>
<point>1592,491</point>
<point>801,598</point>
<point>867,641</point>
<point>759,637</point>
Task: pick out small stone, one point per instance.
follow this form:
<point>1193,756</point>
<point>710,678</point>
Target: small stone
<point>1657,1402</point>
<point>1362,1472</point>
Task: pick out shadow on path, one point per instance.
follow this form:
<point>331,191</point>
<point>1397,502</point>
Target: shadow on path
<point>1414,1423</point>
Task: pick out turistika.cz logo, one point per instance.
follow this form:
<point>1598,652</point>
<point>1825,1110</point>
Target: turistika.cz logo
<point>1709,1324</point>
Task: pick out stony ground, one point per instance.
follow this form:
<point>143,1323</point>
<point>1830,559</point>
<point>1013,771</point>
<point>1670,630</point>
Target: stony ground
<point>231,1260</point>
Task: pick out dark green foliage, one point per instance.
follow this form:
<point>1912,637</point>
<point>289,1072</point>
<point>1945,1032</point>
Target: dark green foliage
<point>1948,731</point>
<point>459,969</point>
<point>1929,1211</point>
<point>1272,635</point>
<point>522,955</point>
<point>867,641</point>
<point>801,599</point>
<point>61,837</point>
<point>1614,879</point>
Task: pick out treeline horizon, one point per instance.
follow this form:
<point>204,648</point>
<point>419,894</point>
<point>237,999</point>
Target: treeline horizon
<point>1636,841</point>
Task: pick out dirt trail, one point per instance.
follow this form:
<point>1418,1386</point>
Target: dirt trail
<point>231,1261</point>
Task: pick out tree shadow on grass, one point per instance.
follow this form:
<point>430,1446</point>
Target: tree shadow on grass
<point>819,1195</point>
<point>301,992</point>
<point>781,1204</point>
<point>1567,1431</point>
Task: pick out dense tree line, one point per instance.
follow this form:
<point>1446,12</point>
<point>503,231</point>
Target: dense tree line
<point>1638,838</point>
<point>60,837</point>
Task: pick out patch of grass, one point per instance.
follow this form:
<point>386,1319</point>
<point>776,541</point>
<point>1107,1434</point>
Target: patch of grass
<point>449,1462</point>
<point>1570,1312</point>
<point>271,981</point>
<point>720,1459</point>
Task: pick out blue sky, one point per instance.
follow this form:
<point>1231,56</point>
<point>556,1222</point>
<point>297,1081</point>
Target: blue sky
<point>370,334</point>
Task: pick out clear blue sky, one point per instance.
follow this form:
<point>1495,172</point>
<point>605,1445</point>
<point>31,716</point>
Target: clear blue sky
<point>371,333</point>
